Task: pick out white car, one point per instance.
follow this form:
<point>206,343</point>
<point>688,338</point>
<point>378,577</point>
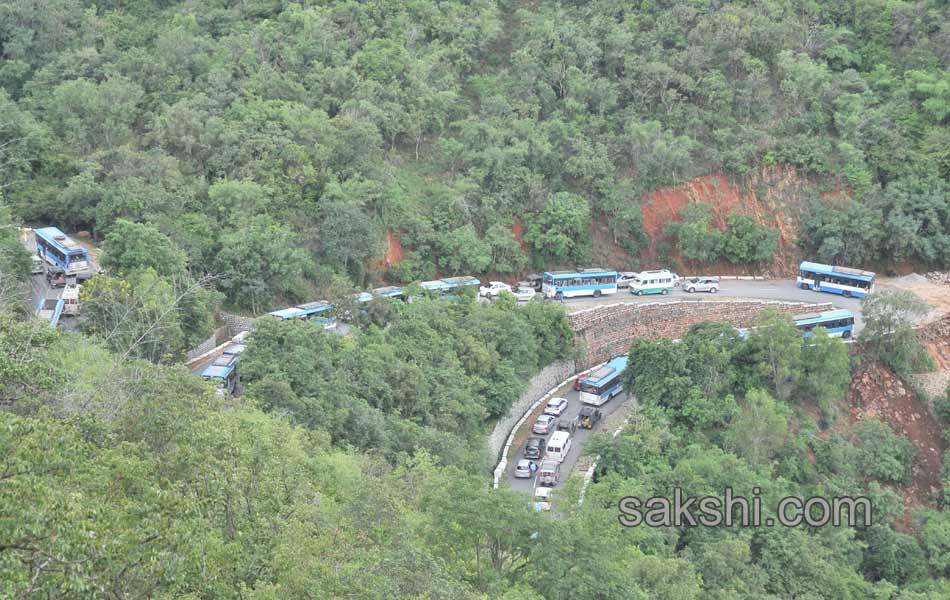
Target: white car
<point>524,292</point>
<point>494,288</point>
<point>523,469</point>
<point>542,498</point>
<point>676,279</point>
<point>555,407</point>
<point>624,278</point>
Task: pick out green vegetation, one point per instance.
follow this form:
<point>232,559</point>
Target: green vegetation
<point>742,242</point>
<point>427,374</point>
<point>719,412</point>
<point>889,334</point>
<point>261,153</point>
<point>14,263</point>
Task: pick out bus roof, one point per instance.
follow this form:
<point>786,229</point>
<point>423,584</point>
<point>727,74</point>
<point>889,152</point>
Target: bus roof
<point>364,297</point>
<point>235,349</point>
<point>213,371</point>
<point>825,315</point>
<point>839,271</point>
<point>462,280</point>
<point>581,272</point>
<point>604,373</point>
<point>287,313</point>
<point>58,238</point>
<point>313,308</point>
<point>390,291</point>
<point>435,284</point>
<point>225,360</point>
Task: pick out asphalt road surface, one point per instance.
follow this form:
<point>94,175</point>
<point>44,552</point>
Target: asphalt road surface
<point>578,437</point>
<point>772,289</point>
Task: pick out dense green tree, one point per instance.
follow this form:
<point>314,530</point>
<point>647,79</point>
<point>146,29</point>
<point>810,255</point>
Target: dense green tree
<point>129,246</point>
<point>696,238</point>
<point>842,231</point>
<point>258,260</point>
<point>559,233</point>
<point>760,430</point>
<point>889,335</point>
<point>884,454</point>
<point>14,263</point>
<point>916,220</point>
<point>775,349</point>
<point>747,242</point>
<point>825,372</point>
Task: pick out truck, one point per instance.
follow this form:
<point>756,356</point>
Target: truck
<point>70,297</point>
<point>50,309</point>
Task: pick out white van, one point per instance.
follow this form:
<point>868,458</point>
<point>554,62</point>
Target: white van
<point>558,446</point>
<point>652,282</point>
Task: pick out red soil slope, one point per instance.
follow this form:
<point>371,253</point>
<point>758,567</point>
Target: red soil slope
<point>877,392</point>
<point>774,197</point>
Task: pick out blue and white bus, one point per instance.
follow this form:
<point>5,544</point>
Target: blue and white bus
<point>223,371</point>
<point>586,282</point>
<point>838,323</point>
<point>604,383</point>
<point>449,285</point>
<point>835,280</point>
<point>309,311</point>
<point>58,249</point>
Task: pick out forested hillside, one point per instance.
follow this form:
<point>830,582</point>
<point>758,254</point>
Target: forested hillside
<point>486,136</point>
<point>256,154</point>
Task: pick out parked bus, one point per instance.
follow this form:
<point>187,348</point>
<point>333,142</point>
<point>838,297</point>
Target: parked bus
<point>307,311</point>
<point>652,282</point>
<point>835,280</point>
<point>604,383</point>
<point>838,323</point>
<point>586,282</point>
<point>450,285</point>
<point>223,372</point>
<point>58,249</point>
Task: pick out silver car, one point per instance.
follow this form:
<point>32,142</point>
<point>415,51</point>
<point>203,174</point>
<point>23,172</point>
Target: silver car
<point>555,407</point>
<point>545,424</point>
<point>702,284</point>
<point>523,469</point>
<point>624,279</point>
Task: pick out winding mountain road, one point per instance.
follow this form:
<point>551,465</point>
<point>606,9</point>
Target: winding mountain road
<point>776,290</point>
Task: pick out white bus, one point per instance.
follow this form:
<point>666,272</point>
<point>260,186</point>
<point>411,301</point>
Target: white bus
<point>586,282</point>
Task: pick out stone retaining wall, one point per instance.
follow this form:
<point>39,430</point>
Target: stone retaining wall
<point>605,331</point>
<point>539,385</point>
<point>208,344</point>
<point>236,323</point>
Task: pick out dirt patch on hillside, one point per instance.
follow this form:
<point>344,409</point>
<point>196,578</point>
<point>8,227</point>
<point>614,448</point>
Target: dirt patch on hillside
<point>393,252</point>
<point>517,229</point>
<point>936,336</point>
<point>934,294</point>
<point>775,197</point>
<point>877,393</point>
<point>607,251</point>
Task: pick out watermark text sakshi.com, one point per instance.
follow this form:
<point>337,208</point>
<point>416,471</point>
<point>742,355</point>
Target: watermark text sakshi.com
<point>731,510</point>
